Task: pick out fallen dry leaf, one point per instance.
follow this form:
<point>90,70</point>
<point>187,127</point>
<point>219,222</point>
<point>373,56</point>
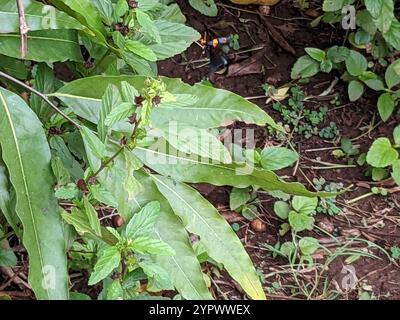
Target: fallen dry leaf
<point>252,65</point>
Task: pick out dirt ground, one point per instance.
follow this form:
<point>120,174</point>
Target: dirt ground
<point>374,219</point>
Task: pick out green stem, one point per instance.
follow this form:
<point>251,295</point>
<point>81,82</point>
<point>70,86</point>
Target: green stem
<point>108,161</point>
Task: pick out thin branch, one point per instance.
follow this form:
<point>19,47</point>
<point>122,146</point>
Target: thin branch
<point>23,28</point>
<point>112,158</point>
<point>41,95</point>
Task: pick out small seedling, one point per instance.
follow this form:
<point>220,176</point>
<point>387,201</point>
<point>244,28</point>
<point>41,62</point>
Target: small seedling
<point>327,206</point>
<point>298,214</point>
<point>347,149</point>
<point>302,120</point>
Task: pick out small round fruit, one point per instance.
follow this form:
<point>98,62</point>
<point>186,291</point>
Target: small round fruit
<point>117,221</point>
<point>258,226</point>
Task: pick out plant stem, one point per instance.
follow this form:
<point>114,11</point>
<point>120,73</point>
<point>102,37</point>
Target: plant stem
<point>41,95</point>
<point>105,164</point>
<point>108,161</point>
<point>23,28</point>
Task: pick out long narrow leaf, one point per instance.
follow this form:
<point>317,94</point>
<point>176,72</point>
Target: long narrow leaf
<point>220,241</point>
<point>27,156</point>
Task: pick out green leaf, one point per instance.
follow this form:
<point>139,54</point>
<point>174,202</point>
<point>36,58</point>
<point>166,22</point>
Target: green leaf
<point>220,241</point>
<point>159,278</point>
<point>92,217</point>
<point>152,246</point>
<point>326,66</point>
<point>69,191</point>
<point>355,90</point>
<point>119,113</point>
<point>105,9</point>
<point>102,195</point>
<point>379,174</point>
<point>183,268</point>
<point>7,258</point>
<point>385,106</point>
<point>108,260</point>
<point>46,46</point>
<point>79,220</point>
<point>93,146</point>
<point>332,5</point>
<point>375,84</point>
<point>356,63</point>
<point>140,65</point>
<point>140,49</point>
<point>316,54</point>
<point>308,245</point>
<point>392,75</point>
<point>305,205</point>
<point>396,171</point>
<point>60,149</point>
<point>282,209</point>
<point>287,249</point>
<point>192,140</point>
<point>392,36</point>
<point>7,199</point>
<point>305,67</point>
<point>300,222</point>
<point>238,197</point>
<point>396,136</point>
<point>115,291</point>
<point>37,15</point>
<point>214,107</point>
<point>384,18</point>
<point>86,13</point>
<point>185,169</point>
<point>142,223</point>
<point>13,67</point>
<point>382,154</point>
<point>44,82</point>
<point>131,185</point>
<point>148,25</point>
<point>60,172</point>
<point>175,38</point>
<point>275,158</point>
<point>27,156</point>
<point>365,20</point>
<point>109,100</point>
<point>374,7</point>
<point>129,93</point>
<point>206,7</point>
<point>121,8</point>
<point>338,54</point>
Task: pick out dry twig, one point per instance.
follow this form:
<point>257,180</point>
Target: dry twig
<point>23,28</point>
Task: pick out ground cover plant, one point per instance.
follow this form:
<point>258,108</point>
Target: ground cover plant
<point>199,149</point>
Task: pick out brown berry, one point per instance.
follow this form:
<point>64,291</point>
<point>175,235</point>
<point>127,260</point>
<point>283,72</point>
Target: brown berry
<point>132,118</point>
<point>123,141</point>
<point>258,226</point>
<point>121,28</point>
<point>117,221</point>
<point>133,4</point>
<point>54,131</point>
<point>156,100</point>
<point>139,100</point>
<point>88,64</point>
<point>81,184</point>
<point>92,180</point>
